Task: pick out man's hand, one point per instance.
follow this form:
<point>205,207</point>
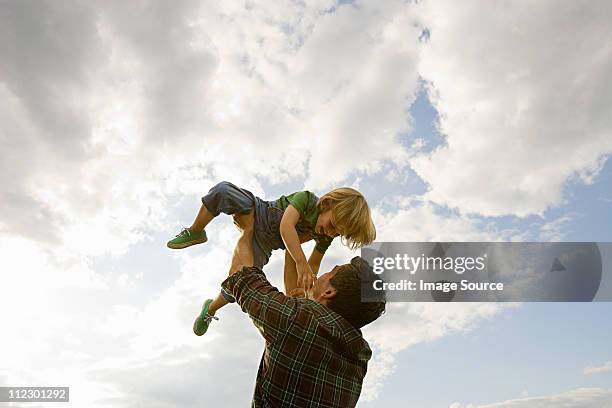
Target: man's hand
<point>305,276</point>
<point>297,293</point>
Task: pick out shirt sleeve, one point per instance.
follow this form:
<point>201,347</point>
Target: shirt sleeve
<point>271,311</point>
<point>301,201</point>
<point>323,242</point>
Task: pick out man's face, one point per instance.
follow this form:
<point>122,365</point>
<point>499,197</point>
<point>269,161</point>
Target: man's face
<point>326,224</point>
<point>322,290</point>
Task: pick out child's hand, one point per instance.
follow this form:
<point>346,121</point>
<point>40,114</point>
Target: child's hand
<point>297,293</point>
<point>305,276</point>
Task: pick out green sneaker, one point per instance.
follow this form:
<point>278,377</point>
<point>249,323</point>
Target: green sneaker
<point>203,320</point>
<point>187,238</point>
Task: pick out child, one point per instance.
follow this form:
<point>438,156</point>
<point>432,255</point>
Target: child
<point>284,223</point>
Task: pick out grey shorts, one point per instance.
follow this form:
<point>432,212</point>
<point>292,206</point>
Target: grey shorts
<point>230,199</point>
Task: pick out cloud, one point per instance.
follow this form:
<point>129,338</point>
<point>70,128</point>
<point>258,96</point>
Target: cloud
<point>554,230</point>
<point>406,325</point>
<point>359,70</point>
<point>143,351</point>
<point>109,349</point>
<point>115,120</point>
<point>44,114</point>
<point>145,95</point>
<point>577,398</point>
<point>418,219</point>
<point>63,183</point>
<point>602,368</point>
<point>523,99</point>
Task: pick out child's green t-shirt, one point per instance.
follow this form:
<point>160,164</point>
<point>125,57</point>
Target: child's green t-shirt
<point>306,204</point>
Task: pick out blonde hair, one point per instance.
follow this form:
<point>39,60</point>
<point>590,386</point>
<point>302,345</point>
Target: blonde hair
<point>352,214</point>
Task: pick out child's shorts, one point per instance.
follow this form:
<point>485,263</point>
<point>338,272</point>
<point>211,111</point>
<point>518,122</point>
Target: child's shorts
<point>227,198</point>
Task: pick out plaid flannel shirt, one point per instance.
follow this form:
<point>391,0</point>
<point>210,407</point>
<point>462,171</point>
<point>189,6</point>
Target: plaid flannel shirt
<point>313,356</point>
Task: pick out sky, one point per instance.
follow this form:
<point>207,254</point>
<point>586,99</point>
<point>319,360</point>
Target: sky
<point>459,121</point>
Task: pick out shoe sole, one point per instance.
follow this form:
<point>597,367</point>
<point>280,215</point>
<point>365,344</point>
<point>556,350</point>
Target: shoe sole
<point>194,328</point>
<point>186,244</point>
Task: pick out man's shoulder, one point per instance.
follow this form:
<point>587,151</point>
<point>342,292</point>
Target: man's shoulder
<point>308,309</point>
<point>317,319</point>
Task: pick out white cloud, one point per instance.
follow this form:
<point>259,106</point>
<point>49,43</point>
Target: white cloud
<point>577,398</point>
<point>407,324</point>
<point>109,350</point>
<point>206,92</point>
<point>602,368</point>
<point>555,230</point>
<point>417,219</point>
<point>359,70</point>
<point>523,93</point>
<point>113,120</point>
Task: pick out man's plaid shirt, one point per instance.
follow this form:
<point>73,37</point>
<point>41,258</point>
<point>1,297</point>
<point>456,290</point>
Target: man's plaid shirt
<point>313,357</point>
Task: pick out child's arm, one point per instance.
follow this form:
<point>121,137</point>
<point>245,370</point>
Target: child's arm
<point>305,276</point>
<point>290,274</point>
<point>315,261</point>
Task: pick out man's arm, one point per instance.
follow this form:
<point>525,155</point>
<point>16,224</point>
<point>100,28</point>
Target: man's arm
<point>271,311</point>
<point>290,273</point>
<point>291,287</point>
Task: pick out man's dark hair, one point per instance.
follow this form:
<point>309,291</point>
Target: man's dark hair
<point>347,302</point>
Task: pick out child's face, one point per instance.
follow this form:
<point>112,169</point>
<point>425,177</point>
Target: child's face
<point>326,225</point>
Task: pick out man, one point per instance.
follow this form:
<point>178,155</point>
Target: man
<point>315,354</point>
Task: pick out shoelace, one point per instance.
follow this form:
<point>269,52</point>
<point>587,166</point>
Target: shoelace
<point>210,318</point>
<point>185,231</point>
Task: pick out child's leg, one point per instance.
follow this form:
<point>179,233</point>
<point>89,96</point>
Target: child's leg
<point>223,197</point>
<point>243,254</point>
<point>202,219</point>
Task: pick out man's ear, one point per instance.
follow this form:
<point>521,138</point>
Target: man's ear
<point>329,293</point>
